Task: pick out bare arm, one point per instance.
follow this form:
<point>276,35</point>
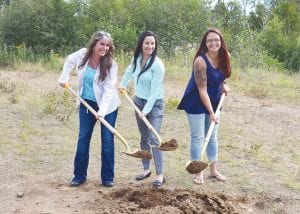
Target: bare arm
<point>225,88</point>
<point>201,81</point>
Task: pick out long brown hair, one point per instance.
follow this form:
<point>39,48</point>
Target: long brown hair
<point>224,62</point>
<point>107,60</point>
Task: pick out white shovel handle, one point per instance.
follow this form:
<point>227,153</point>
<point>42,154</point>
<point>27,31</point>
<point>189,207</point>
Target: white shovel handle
<point>212,125</point>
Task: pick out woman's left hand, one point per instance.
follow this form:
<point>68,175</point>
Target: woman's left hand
<point>225,89</point>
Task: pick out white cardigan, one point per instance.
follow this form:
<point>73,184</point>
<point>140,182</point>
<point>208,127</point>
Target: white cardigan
<point>105,91</point>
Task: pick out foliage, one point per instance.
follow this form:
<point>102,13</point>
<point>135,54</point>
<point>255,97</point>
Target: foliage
<point>31,31</point>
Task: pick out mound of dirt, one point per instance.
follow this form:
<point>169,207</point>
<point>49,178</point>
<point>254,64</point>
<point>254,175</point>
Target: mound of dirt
<point>151,200</point>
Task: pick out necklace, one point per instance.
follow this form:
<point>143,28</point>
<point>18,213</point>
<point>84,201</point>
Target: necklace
<point>94,63</point>
<point>214,61</point>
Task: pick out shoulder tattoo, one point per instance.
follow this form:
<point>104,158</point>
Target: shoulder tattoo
<point>200,74</point>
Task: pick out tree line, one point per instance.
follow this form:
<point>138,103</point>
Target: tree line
<point>268,34</point>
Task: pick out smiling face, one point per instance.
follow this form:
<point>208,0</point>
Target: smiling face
<point>213,42</point>
<point>148,46</point>
<point>102,46</point>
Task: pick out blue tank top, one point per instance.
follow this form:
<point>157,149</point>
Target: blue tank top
<point>88,80</point>
<point>191,102</point>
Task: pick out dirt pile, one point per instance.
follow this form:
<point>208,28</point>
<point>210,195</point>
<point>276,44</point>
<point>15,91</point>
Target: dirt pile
<point>150,200</point>
<point>195,167</point>
<point>169,145</point>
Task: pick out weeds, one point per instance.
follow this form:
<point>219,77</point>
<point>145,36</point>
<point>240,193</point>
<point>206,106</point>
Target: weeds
<point>257,91</point>
<point>59,105</point>
<point>9,88</point>
<point>256,147</point>
<point>171,104</point>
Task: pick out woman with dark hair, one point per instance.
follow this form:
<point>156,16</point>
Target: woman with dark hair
<point>211,66</point>
<point>148,70</point>
<point>97,77</point>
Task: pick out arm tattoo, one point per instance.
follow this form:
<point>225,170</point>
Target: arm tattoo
<point>200,75</point>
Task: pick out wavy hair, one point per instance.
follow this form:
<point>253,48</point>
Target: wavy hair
<point>106,61</point>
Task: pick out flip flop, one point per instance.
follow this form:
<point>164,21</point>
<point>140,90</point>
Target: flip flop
<point>218,177</point>
<point>198,181</point>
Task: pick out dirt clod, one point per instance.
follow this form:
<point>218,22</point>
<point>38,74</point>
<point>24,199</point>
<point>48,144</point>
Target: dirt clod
<point>140,154</point>
<point>169,145</point>
<point>195,167</point>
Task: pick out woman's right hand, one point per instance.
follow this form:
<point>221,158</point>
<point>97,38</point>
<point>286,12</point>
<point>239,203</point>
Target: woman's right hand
<point>122,90</point>
<point>212,117</point>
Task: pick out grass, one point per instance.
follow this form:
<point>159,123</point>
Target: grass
<point>40,141</point>
<point>262,84</point>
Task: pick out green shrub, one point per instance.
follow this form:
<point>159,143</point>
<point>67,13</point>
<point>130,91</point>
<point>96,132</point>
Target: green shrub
<point>59,105</point>
<point>171,104</point>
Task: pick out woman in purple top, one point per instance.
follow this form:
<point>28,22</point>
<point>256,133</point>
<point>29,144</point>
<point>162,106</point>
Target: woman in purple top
<point>211,66</point>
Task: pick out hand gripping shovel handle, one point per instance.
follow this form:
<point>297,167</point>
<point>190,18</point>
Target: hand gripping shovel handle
<point>147,123</point>
<point>211,127</point>
<point>102,120</point>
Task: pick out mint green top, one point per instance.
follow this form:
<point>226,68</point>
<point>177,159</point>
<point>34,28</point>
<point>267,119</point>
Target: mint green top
<point>150,83</point>
<point>88,79</point>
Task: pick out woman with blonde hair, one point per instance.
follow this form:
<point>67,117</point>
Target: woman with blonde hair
<point>97,77</point>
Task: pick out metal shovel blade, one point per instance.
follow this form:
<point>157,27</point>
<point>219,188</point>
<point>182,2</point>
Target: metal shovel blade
<point>140,154</point>
<point>169,145</point>
<point>194,167</point>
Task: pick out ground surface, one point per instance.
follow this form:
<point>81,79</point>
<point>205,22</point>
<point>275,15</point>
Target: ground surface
<point>259,154</point>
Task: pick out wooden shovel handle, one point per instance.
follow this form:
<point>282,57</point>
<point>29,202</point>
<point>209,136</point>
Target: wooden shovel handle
<point>101,119</point>
<point>147,123</point>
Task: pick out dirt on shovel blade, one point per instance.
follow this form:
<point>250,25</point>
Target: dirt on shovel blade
<point>195,167</point>
<point>169,145</point>
<point>140,154</point>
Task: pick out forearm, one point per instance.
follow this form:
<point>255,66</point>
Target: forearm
<point>206,100</point>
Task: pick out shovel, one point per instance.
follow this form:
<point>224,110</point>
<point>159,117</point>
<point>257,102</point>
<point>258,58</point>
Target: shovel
<point>137,154</point>
<point>166,146</point>
<point>195,167</point>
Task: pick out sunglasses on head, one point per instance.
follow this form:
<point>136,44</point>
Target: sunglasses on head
<point>100,34</point>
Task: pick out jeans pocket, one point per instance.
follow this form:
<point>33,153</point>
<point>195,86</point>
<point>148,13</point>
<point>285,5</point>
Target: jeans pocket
<point>158,108</point>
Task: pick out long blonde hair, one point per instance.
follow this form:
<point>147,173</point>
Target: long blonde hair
<point>107,60</point>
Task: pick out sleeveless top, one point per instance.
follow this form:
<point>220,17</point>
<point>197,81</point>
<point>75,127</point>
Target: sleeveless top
<point>191,102</point>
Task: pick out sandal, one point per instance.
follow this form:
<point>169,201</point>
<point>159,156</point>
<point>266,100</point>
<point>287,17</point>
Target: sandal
<point>218,177</point>
<point>158,183</point>
<point>198,180</point>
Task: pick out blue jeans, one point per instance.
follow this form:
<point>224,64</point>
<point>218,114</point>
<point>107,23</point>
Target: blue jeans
<point>87,122</point>
<point>199,124</point>
<point>155,117</point>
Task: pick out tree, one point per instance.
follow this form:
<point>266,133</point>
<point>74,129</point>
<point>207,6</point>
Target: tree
<point>258,19</point>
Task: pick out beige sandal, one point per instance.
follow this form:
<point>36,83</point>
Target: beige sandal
<point>218,177</point>
<point>198,180</point>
